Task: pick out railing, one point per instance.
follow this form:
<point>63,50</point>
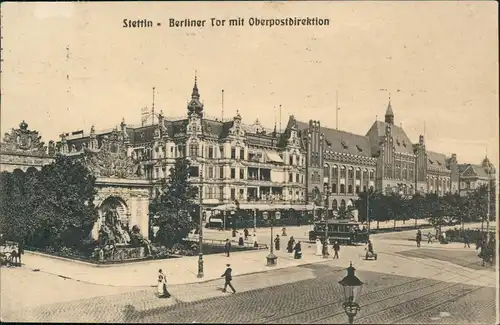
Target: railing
<point>219,242</point>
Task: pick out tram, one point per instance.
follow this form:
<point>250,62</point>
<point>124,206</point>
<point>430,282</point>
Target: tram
<point>344,231</point>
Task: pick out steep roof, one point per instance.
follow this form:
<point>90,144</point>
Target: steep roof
<point>474,170</point>
<point>437,160</point>
<point>401,141</point>
<point>346,142</point>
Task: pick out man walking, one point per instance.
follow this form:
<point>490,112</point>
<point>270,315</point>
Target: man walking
<point>336,248</point>
<point>227,247</point>
<point>228,278</point>
<point>466,240</point>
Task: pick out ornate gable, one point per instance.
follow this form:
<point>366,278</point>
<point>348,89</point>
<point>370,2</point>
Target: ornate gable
<point>111,159</point>
<point>236,132</point>
<point>23,140</point>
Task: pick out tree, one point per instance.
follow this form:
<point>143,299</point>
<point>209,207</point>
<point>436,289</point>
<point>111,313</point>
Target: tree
<point>416,207</point>
<point>377,207</point>
<point>394,207</point>
<point>433,206</point>
<point>174,206</point>
<point>65,211</point>
<point>53,207</point>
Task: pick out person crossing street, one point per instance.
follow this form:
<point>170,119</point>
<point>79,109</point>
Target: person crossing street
<point>228,278</point>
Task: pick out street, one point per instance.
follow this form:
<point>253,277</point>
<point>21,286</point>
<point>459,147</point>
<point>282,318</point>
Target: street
<point>434,284</point>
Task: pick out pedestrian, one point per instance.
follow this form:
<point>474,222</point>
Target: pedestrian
<point>298,251</point>
<point>162,285</point>
<point>283,232</point>
<point>254,237</point>
<point>277,243</point>
<point>419,237</point>
<point>227,247</point>
<point>336,248</point>
<point>245,231</point>
<point>228,278</point>
<point>240,240</point>
<point>466,240</point>
<point>20,252</point>
<point>289,247</point>
<point>429,238</point>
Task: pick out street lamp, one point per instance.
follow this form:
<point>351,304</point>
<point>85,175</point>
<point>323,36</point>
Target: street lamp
<point>200,236</point>
<point>369,193</point>
<point>325,242</point>
<point>352,290</point>
<point>271,258</point>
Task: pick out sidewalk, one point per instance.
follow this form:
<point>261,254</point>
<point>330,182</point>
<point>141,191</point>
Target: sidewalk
<point>178,270</point>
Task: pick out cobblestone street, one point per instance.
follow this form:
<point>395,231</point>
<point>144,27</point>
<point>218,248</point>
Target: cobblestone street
<point>304,294</point>
<point>433,284</point>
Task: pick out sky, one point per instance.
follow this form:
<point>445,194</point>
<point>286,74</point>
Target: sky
<point>68,66</point>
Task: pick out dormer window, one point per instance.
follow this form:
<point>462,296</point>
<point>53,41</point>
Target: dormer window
<point>404,144</point>
<point>431,161</point>
<point>328,143</point>
<point>439,163</point>
<point>397,142</point>
<point>359,148</point>
<point>344,144</point>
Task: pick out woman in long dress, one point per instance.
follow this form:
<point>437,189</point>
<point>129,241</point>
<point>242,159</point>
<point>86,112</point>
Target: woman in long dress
<point>162,285</point>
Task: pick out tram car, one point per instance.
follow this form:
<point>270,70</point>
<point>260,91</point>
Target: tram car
<point>345,231</point>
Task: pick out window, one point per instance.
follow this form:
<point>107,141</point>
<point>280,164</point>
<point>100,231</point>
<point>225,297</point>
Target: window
<point>193,171</point>
<point>344,144</point>
<point>221,172</point>
<point>290,177</point>
<point>233,153</point>
<point>357,189</point>
<point>233,194</point>
<point>372,175</point>
<point>358,174</point>
<point>233,173</point>
<point>221,151</point>
<point>349,189</point>
<point>221,193</point>
<point>242,154</point>
<point>359,148</point>
<point>210,152</point>
<point>210,172</point>
<point>334,205</point>
<point>291,160</point>
<point>342,188</point>
<point>193,150</point>
<point>242,173</point>
<point>297,178</point>
<point>334,188</point>
<point>335,172</point>
<point>364,188</point>
<point>351,174</point>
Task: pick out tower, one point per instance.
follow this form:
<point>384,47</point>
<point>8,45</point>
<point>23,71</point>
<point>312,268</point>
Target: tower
<point>389,115</point>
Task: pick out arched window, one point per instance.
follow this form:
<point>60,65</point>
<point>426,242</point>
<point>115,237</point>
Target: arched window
<point>326,170</point>
<point>334,205</point>
<point>334,188</point>
<point>342,188</point>
<point>357,189</point>
<point>349,189</point>
<point>364,188</point>
<point>342,204</point>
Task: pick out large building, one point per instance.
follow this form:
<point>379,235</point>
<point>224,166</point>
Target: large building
<point>306,163</point>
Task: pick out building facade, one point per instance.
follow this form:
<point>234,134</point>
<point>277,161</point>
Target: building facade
<point>22,149</point>
<point>235,161</point>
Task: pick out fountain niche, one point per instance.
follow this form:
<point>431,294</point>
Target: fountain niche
<point>117,242</point>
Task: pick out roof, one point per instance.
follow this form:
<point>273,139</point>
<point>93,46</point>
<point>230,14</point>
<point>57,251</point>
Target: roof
<point>474,171</point>
<point>437,160</point>
<point>346,142</point>
<point>401,141</point>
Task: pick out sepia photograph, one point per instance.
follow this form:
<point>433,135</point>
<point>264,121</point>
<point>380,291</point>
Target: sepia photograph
<point>249,162</point>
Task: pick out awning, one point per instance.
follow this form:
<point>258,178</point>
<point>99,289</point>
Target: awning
<point>273,156</point>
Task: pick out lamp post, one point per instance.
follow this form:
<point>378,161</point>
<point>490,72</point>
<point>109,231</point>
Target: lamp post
<point>200,235</point>
<point>368,194</point>
<point>325,242</point>
<point>271,258</point>
<point>352,290</point>
<point>489,203</point>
